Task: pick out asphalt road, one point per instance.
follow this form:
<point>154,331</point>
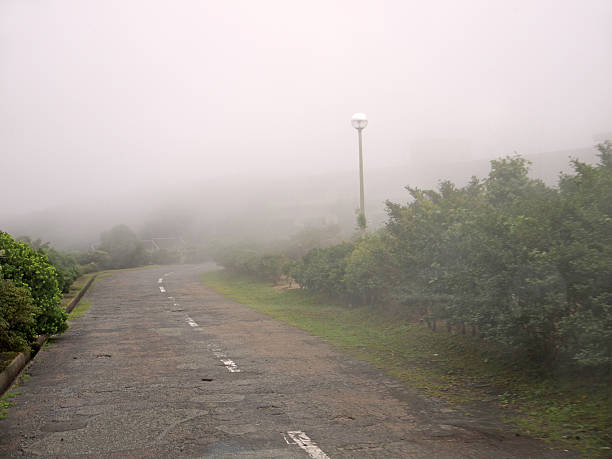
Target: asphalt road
<point>161,366</point>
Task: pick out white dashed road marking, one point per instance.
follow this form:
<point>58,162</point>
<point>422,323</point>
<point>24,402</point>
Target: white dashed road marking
<point>231,366</point>
<point>303,441</point>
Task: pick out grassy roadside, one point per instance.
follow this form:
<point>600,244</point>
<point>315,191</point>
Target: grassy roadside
<point>75,288</point>
<point>79,310</point>
<point>573,412</point>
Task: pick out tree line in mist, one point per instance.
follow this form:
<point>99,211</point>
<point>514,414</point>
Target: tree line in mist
<point>509,258</point>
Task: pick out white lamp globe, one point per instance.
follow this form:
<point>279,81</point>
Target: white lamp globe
<point>359,120</point>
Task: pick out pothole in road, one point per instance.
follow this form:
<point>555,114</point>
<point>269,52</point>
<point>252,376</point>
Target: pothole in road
<point>344,418</point>
<point>207,379</point>
<point>64,426</point>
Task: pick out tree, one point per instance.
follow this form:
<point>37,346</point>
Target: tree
<point>124,247</point>
<point>584,257</point>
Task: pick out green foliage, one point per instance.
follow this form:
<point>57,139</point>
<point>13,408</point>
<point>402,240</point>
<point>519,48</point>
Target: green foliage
<point>263,266</point>
<point>322,270</point>
<point>79,310</point>
<point>573,409</point>
<point>31,270</point>
<point>369,271</point>
<point>361,221</point>
<point>93,260</point>
<point>5,403</point>
<point>67,268</point>
<point>585,260</point>
<point>526,265</point>
<point>66,265</point>
<point>124,248</point>
<point>17,317</point>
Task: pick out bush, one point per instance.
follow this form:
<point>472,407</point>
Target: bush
<point>92,261</point>
<point>17,317</point>
<point>67,268</point>
<point>323,270</point>
<point>266,266</point>
<point>124,248</point>
<point>31,270</point>
<point>526,265</point>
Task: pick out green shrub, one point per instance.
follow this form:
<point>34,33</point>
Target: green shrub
<point>124,248</point>
<point>67,268</point>
<point>323,270</point>
<point>17,317</point>
<point>263,266</point>
<point>31,270</point>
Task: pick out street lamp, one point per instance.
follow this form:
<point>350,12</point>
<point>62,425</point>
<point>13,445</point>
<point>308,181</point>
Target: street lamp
<point>359,122</point>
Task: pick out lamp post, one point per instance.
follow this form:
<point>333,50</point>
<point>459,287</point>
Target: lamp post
<point>359,122</point>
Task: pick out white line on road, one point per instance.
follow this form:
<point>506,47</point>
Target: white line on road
<point>161,289</point>
<point>191,322</point>
<point>230,365</point>
<point>303,441</point>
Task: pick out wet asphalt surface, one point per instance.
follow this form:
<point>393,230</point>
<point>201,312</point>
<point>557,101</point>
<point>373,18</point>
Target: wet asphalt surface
<point>173,369</point>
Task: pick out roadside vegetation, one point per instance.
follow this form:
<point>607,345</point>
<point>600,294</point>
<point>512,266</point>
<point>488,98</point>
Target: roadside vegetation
<point>79,310</point>
<point>507,259</point>
<point>461,369</point>
<point>505,265</point>
<point>30,295</point>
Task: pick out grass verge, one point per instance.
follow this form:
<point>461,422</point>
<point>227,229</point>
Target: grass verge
<point>75,288</point>
<point>571,411</point>
<point>79,310</point>
<point>5,403</point>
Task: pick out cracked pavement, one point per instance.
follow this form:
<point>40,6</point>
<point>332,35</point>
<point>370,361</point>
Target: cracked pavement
<point>181,371</point>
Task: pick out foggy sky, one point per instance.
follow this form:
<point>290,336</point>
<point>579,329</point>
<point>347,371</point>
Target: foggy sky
<point>107,98</point>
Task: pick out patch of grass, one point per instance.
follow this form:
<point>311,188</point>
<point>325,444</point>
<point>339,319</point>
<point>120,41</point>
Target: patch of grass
<point>5,403</point>
<point>460,369</point>
<point>79,310</point>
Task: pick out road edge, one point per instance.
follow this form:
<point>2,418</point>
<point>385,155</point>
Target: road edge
<point>10,373</point>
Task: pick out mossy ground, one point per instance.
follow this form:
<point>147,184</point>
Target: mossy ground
<point>571,411</point>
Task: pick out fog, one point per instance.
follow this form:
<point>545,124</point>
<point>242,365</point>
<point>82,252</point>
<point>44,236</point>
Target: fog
<point>215,116</point>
